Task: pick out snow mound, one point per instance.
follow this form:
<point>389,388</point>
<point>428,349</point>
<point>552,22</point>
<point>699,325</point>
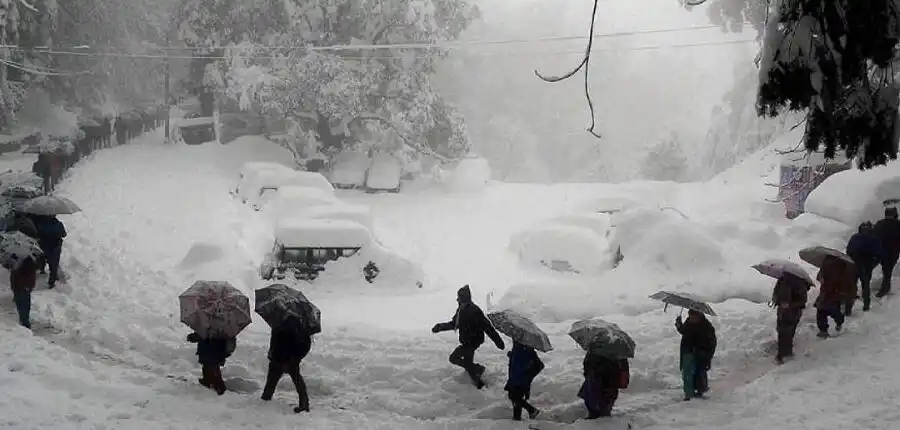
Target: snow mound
<point>599,223</point>
<point>563,248</point>
<point>292,201</point>
<point>322,233</point>
<point>854,196</point>
<point>396,272</point>
<point>610,204</point>
<point>232,155</point>
<point>470,175</point>
<point>667,240</point>
<point>202,253</point>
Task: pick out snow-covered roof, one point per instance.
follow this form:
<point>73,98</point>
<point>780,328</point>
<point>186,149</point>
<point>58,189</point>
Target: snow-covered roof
<point>321,233</point>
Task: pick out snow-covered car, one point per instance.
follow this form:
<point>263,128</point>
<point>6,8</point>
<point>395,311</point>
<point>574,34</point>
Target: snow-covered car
<point>356,213</point>
<point>293,201</point>
<point>384,174</point>
<point>196,131</point>
<point>304,246</point>
<point>251,168</point>
<point>348,170</point>
<point>563,248</point>
<point>254,191</point>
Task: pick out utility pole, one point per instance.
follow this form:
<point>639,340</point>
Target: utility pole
<point>168,96</point>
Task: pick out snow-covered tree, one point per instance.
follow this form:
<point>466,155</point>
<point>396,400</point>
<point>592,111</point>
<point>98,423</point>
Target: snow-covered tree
<point>665,161</point>
<point>339,94</point>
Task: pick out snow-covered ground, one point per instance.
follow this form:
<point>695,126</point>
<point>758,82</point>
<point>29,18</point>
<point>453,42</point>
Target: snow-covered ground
<point>108,350</point>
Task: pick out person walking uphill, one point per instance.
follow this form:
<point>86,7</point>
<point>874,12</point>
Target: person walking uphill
<point>51,232</point>
<point>212,353</point>
<point>22,280</point>
<point>288,346</point>
<point>864,248</point>
<point>698,345</point>
<point>837,278</point>
<point>888,231</point>
<point>524,366</point>
<point>472,325</point>
<point>789,299</point>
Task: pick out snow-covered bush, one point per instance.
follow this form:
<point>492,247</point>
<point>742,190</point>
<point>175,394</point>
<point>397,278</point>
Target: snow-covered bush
<point>470,175</point>
<point>665,161</point>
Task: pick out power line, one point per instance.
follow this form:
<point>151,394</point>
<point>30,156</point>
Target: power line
<point>47,72</point>
<point>412,45</point>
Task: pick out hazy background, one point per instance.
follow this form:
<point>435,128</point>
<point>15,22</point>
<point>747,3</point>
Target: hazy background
<point>535,131</point>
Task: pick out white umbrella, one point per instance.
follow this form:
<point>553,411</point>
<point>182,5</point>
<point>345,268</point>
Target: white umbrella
<point>776,268</point>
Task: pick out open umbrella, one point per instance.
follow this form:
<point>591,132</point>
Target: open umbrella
<point>15,247</point>
<point>214,309</point>
<point>776,268</point>
<point>520,329</point>
<point>50,205</point>
<point>684,300</point>
<point>816,255</point>
<point>603,338</point>
<point>278,303</point>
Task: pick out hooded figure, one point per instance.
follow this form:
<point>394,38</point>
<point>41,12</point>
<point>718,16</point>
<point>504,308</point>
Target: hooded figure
<point>698,345</point>
<point>472,324</point>
<point>789,299</point>
<point>838,282</point>
<point>212,353</point>
<point>864,248</point>
<point>888,231</point>
<point>288,346</point>
<point>524,366</point>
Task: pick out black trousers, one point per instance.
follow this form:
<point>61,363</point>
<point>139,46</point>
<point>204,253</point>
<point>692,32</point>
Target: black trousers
<point>517,396</point>
<point>276,371</point>
<point>464,356</point>
<point>887,270</point>
<point>786,325</point>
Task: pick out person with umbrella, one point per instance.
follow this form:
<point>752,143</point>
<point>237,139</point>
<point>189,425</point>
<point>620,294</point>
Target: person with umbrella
<point>837,278</point>
<point>524,366</point>
<point>888,231</point>
<point>606,369</point>
<point>211,354</point>
<point>472,325</point>
<point>698,345</point>
<point>864,248</point>
<point>288,346</point>
<point>51,232</point>
<point>22,279</point>
<point>789,299</point>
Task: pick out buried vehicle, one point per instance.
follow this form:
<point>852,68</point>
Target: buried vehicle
<point>255,188</point>
<point>293,201</point>
<point>304,246</point>
<point>251,170</point>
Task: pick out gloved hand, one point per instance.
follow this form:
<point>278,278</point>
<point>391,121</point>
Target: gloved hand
<point>436,328</point>
<point>500,344</point>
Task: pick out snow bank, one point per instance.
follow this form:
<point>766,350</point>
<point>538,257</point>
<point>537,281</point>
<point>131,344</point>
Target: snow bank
<point>232,155</point>
<point>854,196</point>
<point>470,175</point>
<point>202,253</point>
<point>563,248</point>
<point>599,223</point>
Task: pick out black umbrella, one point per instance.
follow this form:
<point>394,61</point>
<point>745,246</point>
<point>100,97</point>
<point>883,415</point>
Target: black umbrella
<point>603,338</point>
<point>278,304</point>
<point>683,300</point>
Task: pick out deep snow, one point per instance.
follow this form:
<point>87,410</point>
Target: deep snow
<point>108,350</point>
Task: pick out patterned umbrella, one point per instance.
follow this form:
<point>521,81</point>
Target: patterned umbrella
<point>520,329</point>
<point>50,205</point>
<point>602,338</point>
<point>15,247</point>
<point>816,255</point>
<point>214,309</point>
<point>776,268</point>
<point>683,300</point>
<point>278,304</point>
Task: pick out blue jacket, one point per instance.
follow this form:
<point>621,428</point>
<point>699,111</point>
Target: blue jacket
<point>524,366</point>
<point>865,250</point>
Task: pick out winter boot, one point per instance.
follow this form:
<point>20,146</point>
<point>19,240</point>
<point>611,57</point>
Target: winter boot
<point>838,327</point>
<point>534,413</point>
<point>822,335</point>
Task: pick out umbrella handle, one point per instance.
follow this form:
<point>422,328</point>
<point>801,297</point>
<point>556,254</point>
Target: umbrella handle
<point>666,307</point>
<point>681,312</point>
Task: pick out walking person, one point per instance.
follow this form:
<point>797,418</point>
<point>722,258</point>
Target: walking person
<point>864,248</point>
<point>51,232</point>
<point>698,345</point>
<point>836,278</point>
<point>472,325</point>
<point>524,366</point>
<point>288,346</point>
<point>789,299</point>
<point>888,231</point>
<point>603,378</point>
<point>212,353</point>
<point>22,280</point>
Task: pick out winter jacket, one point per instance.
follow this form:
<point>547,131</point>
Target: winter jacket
<point>51,232</point>
<point>838,283</point>
<point>698,338</point>
<point>888,231</point>
<point>213,352</point>
<point>865,250</point>
<point>791,291</point>
<point>470,322</point>
<point>524,366</point>
<point>604,372</point>
<point>286,345</point>
<point>24,277</point>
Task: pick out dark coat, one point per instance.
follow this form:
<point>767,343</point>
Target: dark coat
<point>790,292</point>
<point>470,322</point>
<point>837,283</point>
<point>888,230</point>
<point>24,278</point>
<point>524,366</point>
<point>213,352</point>
<point>865,249</point>
<point>603,376</point>
<point>51,232</point>
<point>286,346</point>
<point>698,338</point>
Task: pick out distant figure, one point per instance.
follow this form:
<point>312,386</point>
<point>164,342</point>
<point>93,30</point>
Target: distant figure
<point>836,279</point>
<point>789,299</point>
<point>698,345</point>
<point>371,271</point>
<point>288,346</point>
<point>212,353</point>
<point>524,366</point>
<point>51,232</point>
<point>472,325</point>
<point>41,168</point>
<point>603,378</point>
<point>865,249</point>
<point>22,280</point>
<point>888,231</point>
